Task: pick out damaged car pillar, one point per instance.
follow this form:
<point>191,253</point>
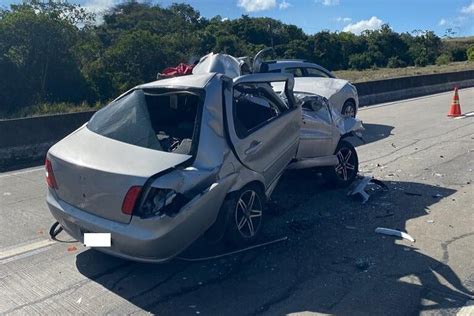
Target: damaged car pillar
<point>169,160</point>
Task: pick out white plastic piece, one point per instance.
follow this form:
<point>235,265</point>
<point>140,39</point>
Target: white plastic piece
<point>97,239</point>
<point>394,232</point>
<point>360,188</point>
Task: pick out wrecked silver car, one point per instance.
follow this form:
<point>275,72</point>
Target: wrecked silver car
<point>169,160</point>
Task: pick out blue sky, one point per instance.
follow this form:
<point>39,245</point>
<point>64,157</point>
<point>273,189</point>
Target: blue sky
<point>335,15</point>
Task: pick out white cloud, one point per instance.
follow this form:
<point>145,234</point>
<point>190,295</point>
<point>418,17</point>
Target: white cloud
<point>442,22</point>
<point>284,5</point>
<point>373,23</point>
<point>256,5</point>
<point>328,3</point>
<point>468,9</point>
<point>345,20</point>
<point>99,6</point>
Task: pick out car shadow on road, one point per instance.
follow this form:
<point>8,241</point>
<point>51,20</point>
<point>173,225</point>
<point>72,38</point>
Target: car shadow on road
<point>332,262</point>
<point>373,133</point>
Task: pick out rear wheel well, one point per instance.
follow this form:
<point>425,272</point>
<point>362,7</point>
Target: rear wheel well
<point>254,182</point>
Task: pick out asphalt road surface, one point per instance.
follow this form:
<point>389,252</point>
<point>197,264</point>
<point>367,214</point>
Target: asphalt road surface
<point>332,262</point>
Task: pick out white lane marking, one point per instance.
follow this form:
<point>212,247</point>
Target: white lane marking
<point>9,174</point>
<point>467,310</point>
<point>25,248</point>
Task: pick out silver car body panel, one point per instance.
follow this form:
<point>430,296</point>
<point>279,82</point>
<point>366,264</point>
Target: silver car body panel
<point>94,172</point>
<point>219,63</point>
<point>337,91</point>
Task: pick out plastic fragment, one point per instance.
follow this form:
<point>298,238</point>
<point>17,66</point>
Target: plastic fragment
<point>71,248</point>
<point>359,188</point>
<point>394,232</point>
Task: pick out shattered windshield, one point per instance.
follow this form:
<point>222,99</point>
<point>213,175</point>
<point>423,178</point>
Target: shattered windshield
<point>160,120</point>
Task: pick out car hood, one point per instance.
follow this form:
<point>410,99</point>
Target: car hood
<point>325,87</point>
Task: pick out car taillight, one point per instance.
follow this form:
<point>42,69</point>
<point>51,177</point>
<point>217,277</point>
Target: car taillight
<point>130,199</point>
<point>50,175</point>
<point>160,202</point>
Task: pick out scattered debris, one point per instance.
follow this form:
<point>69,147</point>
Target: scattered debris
<point>430,221</point>
<point>79,300</point>
<point>437,196</point>
<point>394,232</point>
<point>438,175</point>
<point>359,188</point>
<point>351,227</point>
<point>385,215</point>
<point>393,145</point>
<point>362,263</point>
<point>6,193</point>
<point>71,248</point>
<point>412,194</point>
<point>441,156</point>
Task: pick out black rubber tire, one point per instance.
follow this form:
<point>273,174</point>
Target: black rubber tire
<point>230,208</point>
<point>336,178</point>
<point>349,104</point>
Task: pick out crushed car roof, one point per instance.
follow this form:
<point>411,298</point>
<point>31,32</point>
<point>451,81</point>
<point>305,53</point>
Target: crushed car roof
<point>190,81</point>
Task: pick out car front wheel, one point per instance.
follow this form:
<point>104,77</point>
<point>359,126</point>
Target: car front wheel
<point>245,215</point>
<point>345,172</point>
<point>349,109</point>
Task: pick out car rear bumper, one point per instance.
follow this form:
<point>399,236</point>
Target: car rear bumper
<point>156,239</point>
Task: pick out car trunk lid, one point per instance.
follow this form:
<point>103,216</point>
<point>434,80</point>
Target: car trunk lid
<point>94,172</point>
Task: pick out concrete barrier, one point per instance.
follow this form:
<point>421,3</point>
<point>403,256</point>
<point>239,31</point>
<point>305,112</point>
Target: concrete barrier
<point>379,91</point>
<point>27,140</point>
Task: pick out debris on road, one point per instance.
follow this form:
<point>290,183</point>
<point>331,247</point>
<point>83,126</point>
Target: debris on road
<point>394,232</point>
<point>430,221</point>
<point>359,188</point>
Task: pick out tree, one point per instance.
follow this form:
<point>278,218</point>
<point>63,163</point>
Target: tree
<point>36,41</point>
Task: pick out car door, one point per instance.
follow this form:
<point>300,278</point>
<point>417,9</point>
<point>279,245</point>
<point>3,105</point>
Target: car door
<point>263,127</point>
<point>317,130</point>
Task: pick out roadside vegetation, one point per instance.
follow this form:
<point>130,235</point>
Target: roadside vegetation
<point>387,73</point>
<point>57,57</point>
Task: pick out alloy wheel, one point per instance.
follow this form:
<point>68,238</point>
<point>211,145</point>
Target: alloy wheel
<point>349,111</point>
<point>347,164</point>
<point>248,213</point>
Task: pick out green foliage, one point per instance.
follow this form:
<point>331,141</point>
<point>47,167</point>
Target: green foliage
<point>470,53</point>
<point>56,52</point>
<point>443,59</point>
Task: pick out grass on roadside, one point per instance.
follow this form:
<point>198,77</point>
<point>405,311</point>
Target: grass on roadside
<point>53,108</point>
<point>387,73</point>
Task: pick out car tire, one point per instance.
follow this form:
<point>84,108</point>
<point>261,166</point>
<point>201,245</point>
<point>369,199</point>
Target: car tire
<point>345,172</point>
<point>349,109</point>
<point>244,213</point>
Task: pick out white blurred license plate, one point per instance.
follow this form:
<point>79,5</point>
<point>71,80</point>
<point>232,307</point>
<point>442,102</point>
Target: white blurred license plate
<point>97,239</point>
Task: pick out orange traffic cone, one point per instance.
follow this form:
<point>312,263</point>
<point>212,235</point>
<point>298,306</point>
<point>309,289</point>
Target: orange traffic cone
<point>455,109</point>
